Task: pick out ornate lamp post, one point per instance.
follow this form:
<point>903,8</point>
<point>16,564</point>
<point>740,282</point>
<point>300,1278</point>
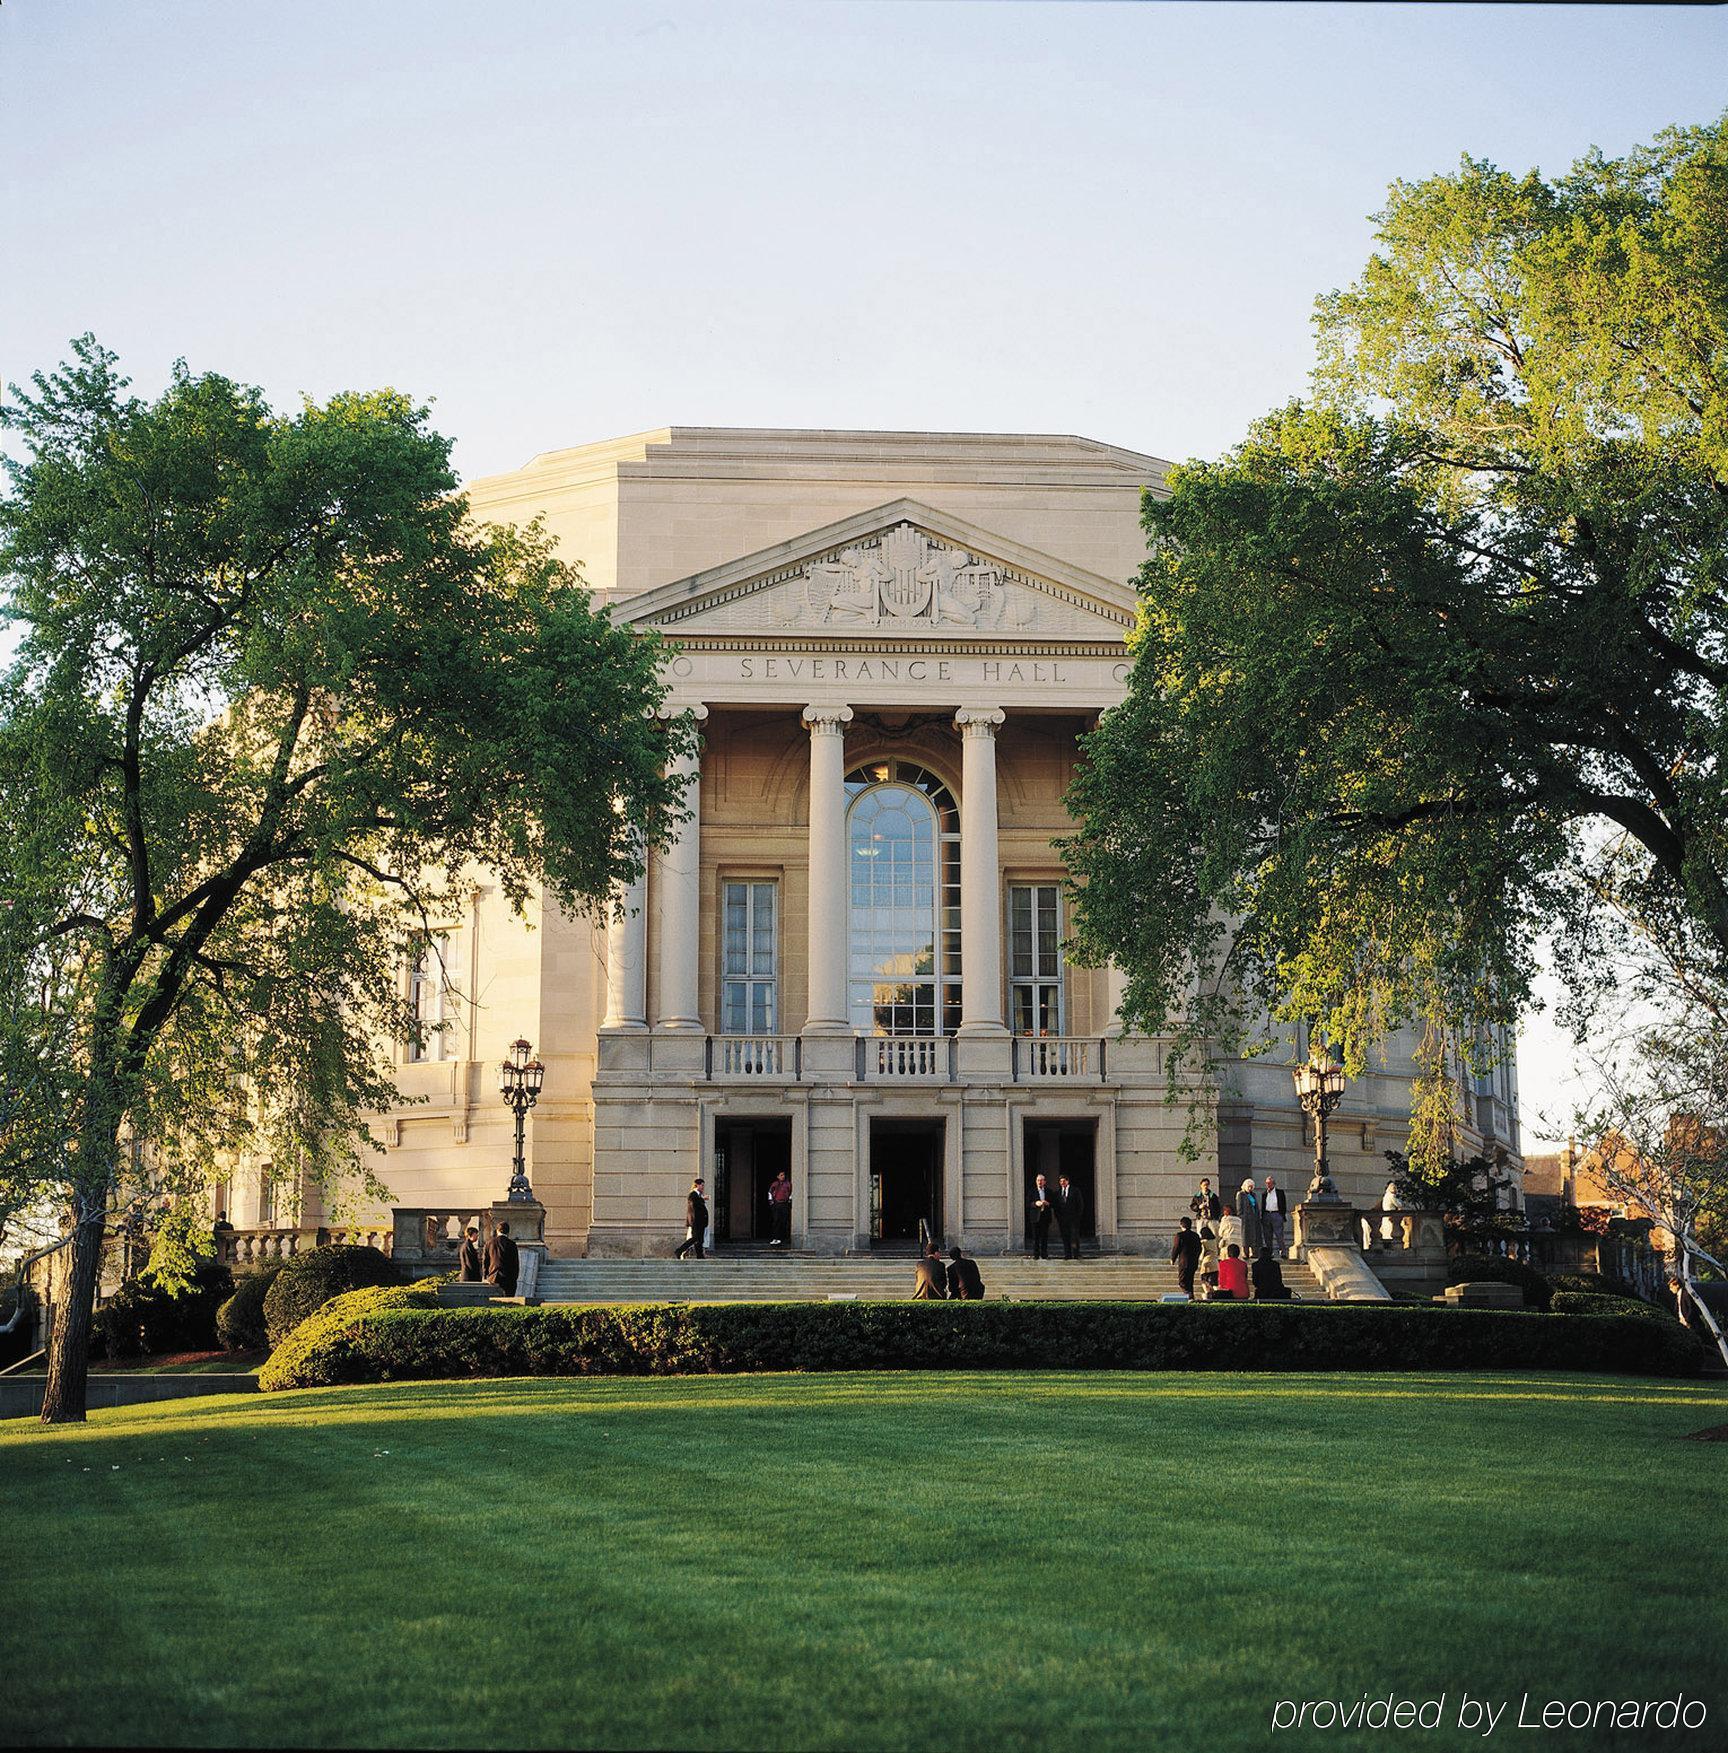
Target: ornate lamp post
<point>519,1081</point>
<point>1320,1088</point>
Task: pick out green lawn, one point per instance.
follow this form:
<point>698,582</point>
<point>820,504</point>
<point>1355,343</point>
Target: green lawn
<point>883,1561</point>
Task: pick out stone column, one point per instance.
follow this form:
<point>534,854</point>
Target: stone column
<point>825,1013</point>
<point>627,961</point>
<point>680,901</point>
<point>980,875</point>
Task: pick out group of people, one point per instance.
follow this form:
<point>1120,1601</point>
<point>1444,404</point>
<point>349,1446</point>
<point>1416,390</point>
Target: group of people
<point>957,1280</point>
<point>1231,1249</point>
<point>496,1263</point>
<point>696,1217</point>
<point>1062,1206</point>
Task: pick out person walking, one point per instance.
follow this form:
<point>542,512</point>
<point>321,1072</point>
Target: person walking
<point>1273,1210</point>
<point>1070,1203</point>
<point>965,1281</point>
<point>1248,1213</point>
<point>468,1257</point>
<point>502,1263</point>
<point>929,1277</point>
<point>780,1210</point>
<point>1043,1210</point>
<point>696,1222</point>
<point>1185,1255</point>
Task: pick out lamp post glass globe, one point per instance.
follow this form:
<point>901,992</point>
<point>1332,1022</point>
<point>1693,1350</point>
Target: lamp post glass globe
<point>520,1078</point>
<point>1320,1088</point>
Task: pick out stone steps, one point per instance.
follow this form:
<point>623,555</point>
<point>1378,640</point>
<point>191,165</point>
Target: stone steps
<point>806,1278</point>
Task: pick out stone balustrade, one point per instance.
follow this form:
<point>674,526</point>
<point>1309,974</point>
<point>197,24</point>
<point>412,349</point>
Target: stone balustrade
<point>905,1058</point>
<point>261,1245</point>
<point>747,1057</point>
<point>1058,1058</point>
<point>430,1237</point>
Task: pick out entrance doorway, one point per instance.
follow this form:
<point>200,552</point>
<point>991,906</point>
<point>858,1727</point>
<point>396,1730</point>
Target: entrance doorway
<point>1064,1147</point>
<point>748,1154</point>
<point>905,1180</point>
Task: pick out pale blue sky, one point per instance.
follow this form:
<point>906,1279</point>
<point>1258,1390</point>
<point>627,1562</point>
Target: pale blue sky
<point>565,222</point>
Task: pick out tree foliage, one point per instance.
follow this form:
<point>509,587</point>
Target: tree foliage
<point>1432,664</point>
<point>274,694</point>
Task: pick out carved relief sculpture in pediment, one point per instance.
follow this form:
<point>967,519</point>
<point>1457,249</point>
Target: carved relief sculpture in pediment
<point>905,576</point>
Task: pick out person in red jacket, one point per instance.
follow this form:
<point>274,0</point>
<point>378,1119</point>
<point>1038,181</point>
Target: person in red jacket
<point>1233,1274</point>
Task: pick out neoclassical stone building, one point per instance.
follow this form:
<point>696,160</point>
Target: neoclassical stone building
<point>851,965</point>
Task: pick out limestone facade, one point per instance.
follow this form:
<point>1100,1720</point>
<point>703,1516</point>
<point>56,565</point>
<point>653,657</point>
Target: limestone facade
<point>850,964</point>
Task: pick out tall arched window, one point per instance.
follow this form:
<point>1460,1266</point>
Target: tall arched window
<point>903,841</point>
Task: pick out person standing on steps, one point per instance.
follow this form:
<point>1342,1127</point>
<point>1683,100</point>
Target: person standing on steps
<point>696,1222</point>
<point>468,1257</point>
<point>780,1210</point>
<point>1248,1212</point>
<point>1273,1210</point>
<point>1206,1206</point>
<point>1043,1210</point>
<point>502,1264</point>
<point>1068,1209</point>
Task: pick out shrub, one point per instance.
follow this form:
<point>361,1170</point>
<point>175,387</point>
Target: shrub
<point>1591,1283</point>
<point>308,1281</point>
<point>1474,1270</point>
<point>384,1336</point>
<point>320,1350</point>
<point>1580,1302</point>
<point>143,1320</point>
<point>240,1320</point>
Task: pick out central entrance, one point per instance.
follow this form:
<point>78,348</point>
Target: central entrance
<point>905,1180</point>
<point>748,1154</point>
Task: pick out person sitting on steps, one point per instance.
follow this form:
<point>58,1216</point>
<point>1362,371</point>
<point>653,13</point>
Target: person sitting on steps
<point>965,1281</point>
<point>929,1277</point>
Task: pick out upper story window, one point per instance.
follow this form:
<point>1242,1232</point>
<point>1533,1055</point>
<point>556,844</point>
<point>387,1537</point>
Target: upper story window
<point>903,954</point>
<point>1035,958</point>
<point>428,989</point>
<point>749,958</point>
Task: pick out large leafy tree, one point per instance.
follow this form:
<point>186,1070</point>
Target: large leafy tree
<point>272,691</point>
<point>1432,664</point>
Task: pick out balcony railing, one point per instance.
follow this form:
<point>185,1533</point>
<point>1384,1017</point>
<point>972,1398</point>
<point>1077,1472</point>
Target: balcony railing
<point>905,1058</point>
<point>1053,1058</point>
<point>745,1057</point>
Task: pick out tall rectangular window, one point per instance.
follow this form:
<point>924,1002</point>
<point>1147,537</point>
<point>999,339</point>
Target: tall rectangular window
<point>749,964</point>
<point>426,991</point>
<point>1035,957</point>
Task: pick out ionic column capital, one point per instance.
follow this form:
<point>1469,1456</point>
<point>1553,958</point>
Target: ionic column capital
<point>677,709</point>
<point>979,721</point>
<point>827,720</point>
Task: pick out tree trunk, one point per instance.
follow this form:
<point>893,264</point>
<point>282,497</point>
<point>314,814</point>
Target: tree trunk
<point>69,1341</point>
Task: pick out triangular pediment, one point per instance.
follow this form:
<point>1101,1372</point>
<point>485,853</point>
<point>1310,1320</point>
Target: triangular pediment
<point>902,569</point>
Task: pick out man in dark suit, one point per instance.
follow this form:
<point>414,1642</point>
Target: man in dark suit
<point>1069,1204</point>
<point>696,1221</point>
<point>502,1264</point>
<point>929,1280</point>
<point>1185,1255</point>
<point>468,1257</point>
<point>965,1281</point>
<point>1043,1210</point>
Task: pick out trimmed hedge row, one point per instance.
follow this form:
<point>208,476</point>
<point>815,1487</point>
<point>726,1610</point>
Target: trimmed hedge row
<point>376,1336</point>
<point>319,1350</point>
